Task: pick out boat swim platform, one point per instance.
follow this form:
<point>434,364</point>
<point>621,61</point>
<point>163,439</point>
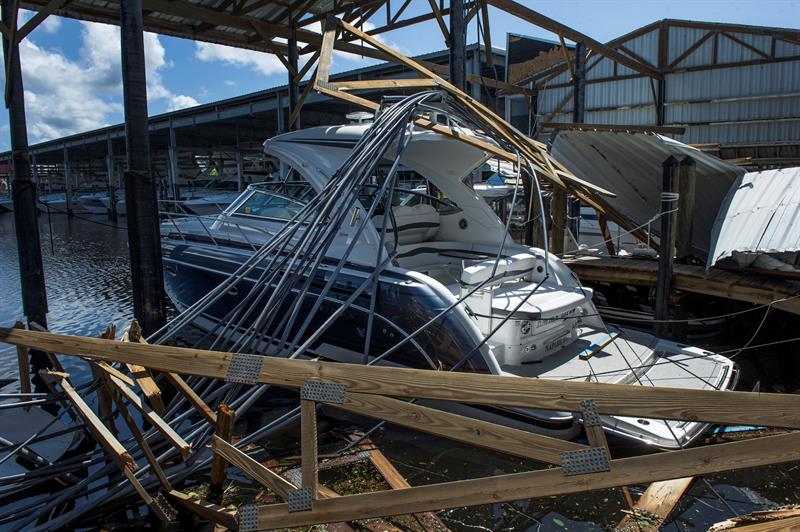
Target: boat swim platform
<point>750,287</point>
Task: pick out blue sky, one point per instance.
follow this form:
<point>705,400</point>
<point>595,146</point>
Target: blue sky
<point>72,74</point>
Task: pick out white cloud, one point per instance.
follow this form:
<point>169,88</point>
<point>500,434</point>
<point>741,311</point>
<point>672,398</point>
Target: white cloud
<point>51,24</point>
<point>229,83</point>
<point>266,64</point>
<point>65,96</point>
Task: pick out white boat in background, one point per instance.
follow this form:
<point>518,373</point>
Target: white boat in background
<point>210,204</point>
<point>93,203</point>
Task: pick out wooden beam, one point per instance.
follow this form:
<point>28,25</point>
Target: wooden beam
<point>728,407</point>
<point>308,446</point>
<point>542,483</point>
<point>326,51</point>
<point>529,15</point>
<point>143,376</point>
<point>487,34</point>
<point>39,17</point>
<point>206,510</point>
<point>459,428</point>
<point>440,21</point>
<point>372,84</point>
<point>258,472</point>
<point>266,38</point>
<point>24,365</point>
<point>224,431</point>
<point>302,100</point>
<point>163,427</point>
<point>152,460</point>
<point>101,433</point>
<point>192,397</point>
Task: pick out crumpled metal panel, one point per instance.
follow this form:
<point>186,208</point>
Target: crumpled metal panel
<point>760,216</point>
<point>629,164</point>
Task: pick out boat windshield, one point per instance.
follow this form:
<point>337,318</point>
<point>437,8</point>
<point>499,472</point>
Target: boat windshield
<point>409,198</point>
<point>277,200</point>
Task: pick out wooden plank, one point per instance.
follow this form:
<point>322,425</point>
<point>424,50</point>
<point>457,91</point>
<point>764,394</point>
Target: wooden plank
<point>592,350</point>
<point>657,502</point>
<point>440,21</point>
<point>206,510</point>
<point>143,375</point>
<point>308,445</point>
<point>101,433</point>
<point>157,421</point>
<point>258,472</point>
<point>224,431</point>
<point>398,482</point>
<point>192,397</point>
<point>137,434</point>
<point>363,102</point>
<point>326,50</point>
<point>371,84</point>
<point>302,100</point>
<point>542,483</point>
<point>724,407</point>
<point>778,519</point>
<point>24,365</point>
<point>459,428</point>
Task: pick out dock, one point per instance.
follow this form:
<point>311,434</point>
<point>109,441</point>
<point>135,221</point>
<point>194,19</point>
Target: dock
<point>748,287</point>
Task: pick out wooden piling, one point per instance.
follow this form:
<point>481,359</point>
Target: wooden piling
<point>458,44</point>
<point>23,190</point>
<point>685,214</point>
<point>667,246</point>
<point>144,239</point>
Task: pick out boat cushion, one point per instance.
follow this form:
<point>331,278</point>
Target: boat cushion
<point>547,302</point>
<point>519,265</point>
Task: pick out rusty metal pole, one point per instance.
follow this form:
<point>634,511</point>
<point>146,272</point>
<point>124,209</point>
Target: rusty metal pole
<point>140,188</point>
<point>23,191</point>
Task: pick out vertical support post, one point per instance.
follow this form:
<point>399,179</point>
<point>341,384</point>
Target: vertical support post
<point>661,84</point>
<point>579,85</point>
<point>140,188</point>
<point>219,467</point>
<point>294,81</point>
<point>606,234</point>
<point>685,214</point>
<point>24,366</point>
<point>172,165</point>
<point>112,191</point>
<point>458,44</point>
<point>23,191</point>
<point>558,214</point>
<point>308,445</point>
<point>239,170</point>
<point>68,182</point>
<point>666,246</point>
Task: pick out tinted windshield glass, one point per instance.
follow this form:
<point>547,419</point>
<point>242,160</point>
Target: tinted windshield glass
<point>267,204</point>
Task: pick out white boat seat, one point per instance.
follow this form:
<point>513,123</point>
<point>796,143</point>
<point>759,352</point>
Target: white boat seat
<point>520,265</point>
<point>415,223</point>
<point>547,302</point>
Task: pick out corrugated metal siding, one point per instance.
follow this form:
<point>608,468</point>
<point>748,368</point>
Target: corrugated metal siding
<point>767,109</point>
<point>761,214</point>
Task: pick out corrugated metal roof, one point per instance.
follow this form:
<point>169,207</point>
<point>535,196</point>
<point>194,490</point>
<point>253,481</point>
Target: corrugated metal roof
<point>760,216</point>
<point>629,164</point>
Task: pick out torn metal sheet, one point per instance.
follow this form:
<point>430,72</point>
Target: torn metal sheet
<point>758,225</point>
<point>629,165</point>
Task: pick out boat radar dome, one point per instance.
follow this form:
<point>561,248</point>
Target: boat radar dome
<point>359,117</point>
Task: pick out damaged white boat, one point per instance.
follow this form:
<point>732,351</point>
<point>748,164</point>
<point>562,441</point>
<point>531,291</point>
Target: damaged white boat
<point>432,281</point>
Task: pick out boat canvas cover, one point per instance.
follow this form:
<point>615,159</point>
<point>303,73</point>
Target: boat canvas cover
<point>758,224</point>
<point>630,166</point>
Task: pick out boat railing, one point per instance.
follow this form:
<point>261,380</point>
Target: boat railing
<point>212,223</point>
